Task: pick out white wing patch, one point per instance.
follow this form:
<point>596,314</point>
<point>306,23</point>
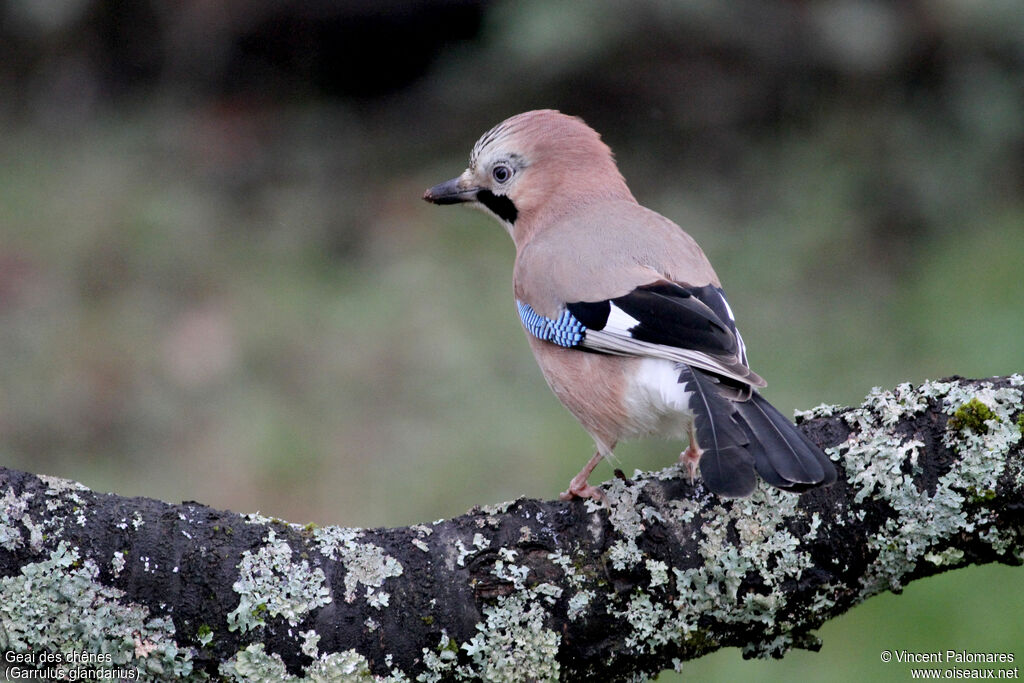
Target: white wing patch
<point>618,319</point>
<point>728,309</point>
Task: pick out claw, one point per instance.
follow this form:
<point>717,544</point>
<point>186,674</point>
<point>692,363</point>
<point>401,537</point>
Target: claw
<point>584,491</point>
<point>579,488</point>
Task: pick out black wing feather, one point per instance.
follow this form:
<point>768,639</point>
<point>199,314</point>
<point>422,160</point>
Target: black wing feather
<point>671,315</point>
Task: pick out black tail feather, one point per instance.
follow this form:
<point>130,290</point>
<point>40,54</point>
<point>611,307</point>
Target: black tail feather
<point>738,437</point>
<point>726,466</point>
<point>787,453</point>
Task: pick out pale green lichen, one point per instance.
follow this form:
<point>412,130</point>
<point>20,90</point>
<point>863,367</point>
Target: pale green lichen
<point>766,549</point>
<point>310,643</point>
<point>651,623</point>
<point>549,592</point>
<point>821,410</point>
<point>949,556</point>
<point>669,473</point>
<point>885,465</point>
<point>258,519</point>
<point>579,603</point>
<point>625,518</point>
<point>658,571</point>
<point>64,488</point>
<point>512,644</point>
<point>365,563</point>
<point>62,496</point>
<point>1002,542</point>
<point>505,570</point>
<point>563,561</point>
<point>13,510</point>
<point>499,509</point>
<point>442,663</point>
<point>255,665</point>
<point>117,563</point>
<point>422,531</point>
<point>463,552</point>
<point>270,584</point>
<point>58,605</point>
<point>684,510</point>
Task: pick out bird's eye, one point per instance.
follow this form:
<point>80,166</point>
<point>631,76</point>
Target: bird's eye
<point>501,173</point>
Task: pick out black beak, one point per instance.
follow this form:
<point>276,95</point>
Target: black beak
<point>449,192</point>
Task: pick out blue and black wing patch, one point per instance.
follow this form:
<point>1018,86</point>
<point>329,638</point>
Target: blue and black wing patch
<point>691,325</point>
<point>566,330</point>
<point>669,314</point>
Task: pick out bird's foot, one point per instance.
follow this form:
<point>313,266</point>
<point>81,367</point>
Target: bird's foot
<point>579,488</point>
<point>691,458</point>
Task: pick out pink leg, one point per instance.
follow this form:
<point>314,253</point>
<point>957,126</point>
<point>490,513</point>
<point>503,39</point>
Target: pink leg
<point>579,488</point>
<point>691,457</point>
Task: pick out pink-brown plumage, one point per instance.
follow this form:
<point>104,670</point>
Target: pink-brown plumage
<point>623,311</point>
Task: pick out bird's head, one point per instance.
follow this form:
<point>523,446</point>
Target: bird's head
<point>533,166</point>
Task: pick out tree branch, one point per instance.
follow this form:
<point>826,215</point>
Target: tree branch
<point>932,478</point>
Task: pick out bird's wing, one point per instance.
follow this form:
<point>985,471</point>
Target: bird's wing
<point>661,319</point>
<point>624,280</point>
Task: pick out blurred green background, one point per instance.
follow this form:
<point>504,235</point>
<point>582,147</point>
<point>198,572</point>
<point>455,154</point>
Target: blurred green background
<point>218,281</point>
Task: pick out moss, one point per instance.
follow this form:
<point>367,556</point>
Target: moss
<point>1020,422</point>
<point>972,415</point>
<point>976,495</point>
<point>204,635</point>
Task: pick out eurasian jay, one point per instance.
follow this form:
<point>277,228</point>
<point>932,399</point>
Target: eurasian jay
<point>624,313</point>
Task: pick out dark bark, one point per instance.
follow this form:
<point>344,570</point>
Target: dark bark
<point>929,481</point>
